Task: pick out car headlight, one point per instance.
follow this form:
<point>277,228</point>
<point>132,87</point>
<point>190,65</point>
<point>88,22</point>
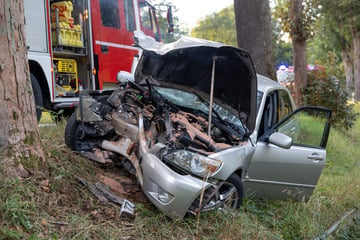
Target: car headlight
<point>194,163</point>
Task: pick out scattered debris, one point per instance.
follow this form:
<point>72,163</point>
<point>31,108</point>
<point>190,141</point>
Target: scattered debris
<point>23,173</point>
<point>45,185</point>
<point>97,155</point>
<point>57,222</point>
<point>127,210</point>
<point>44,222</point>
<point>333,227</point>
<point>112,184</point>
<point>121,183</point>
<point>106,196</point>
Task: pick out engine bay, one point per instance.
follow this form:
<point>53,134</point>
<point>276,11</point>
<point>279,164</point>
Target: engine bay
<point>166,123</point>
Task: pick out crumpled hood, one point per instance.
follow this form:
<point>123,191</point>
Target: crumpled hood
<point>188,62</point>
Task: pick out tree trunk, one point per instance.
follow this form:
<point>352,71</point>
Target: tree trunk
<point>19,135</point>
<point>298,36</point>
<point>356,43</point>
<point>348,68</point>
<point>300,69</point>
<point>254,33</point>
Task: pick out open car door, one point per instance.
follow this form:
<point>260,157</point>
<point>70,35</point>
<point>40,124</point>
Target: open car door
<point>289,159</point>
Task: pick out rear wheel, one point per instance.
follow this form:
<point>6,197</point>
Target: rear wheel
<point>38,97</point>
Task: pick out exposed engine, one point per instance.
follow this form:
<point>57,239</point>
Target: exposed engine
<point>173,127</point>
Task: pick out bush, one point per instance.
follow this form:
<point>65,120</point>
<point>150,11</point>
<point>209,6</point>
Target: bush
<point>325,90</point>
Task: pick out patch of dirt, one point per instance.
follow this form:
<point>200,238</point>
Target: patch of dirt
<point>123,184</point>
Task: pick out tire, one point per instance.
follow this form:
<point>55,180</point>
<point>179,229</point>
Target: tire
<point>38,97</point>
<point>228,194</point>
<point>233,192</point>
<point>71,131</point>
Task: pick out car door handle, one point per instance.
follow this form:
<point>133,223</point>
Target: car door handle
<point>104,49</point>
<point>316,157</point>
<point>293,130</point>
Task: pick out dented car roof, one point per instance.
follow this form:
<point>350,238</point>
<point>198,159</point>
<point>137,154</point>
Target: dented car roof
<point>188,63</point>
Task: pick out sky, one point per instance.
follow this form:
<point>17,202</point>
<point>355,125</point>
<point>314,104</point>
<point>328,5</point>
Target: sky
<point>191,11</point>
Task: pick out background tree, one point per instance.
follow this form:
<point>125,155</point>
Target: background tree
<point>348,12</point>
<point>19,136</point>
<point>297,17</point>
<point>253,31</point>
<point>282,49</point>
<point>219,27</point>
<point>351,10</point>
<point>333,35</point>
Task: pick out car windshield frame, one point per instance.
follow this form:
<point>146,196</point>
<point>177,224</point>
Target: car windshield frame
<point>259,96</point>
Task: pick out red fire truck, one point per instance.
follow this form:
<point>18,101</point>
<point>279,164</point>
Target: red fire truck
<point>82,44</point>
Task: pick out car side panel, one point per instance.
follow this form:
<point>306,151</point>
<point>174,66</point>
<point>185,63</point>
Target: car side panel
<point>279,173</point>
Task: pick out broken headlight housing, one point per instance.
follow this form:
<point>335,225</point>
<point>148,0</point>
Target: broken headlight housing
<point>193,162</point>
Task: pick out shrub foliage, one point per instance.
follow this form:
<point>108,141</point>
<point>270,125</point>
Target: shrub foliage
<point>327,91</point>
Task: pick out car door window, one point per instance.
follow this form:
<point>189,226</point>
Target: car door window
<point>277,107</point>
<point>284,104</point>
<point>308,126</point>
<point>269,117</point>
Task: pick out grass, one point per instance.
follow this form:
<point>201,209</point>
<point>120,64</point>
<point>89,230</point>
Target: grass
<point>58,207</point>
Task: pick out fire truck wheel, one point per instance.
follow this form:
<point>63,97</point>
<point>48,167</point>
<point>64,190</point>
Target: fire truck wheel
<point>37,96</point>
<point>71,128</point>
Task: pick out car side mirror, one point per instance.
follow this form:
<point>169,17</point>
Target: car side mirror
<point>124,77</point>
<point>170,21</point>
<point>280,140</point>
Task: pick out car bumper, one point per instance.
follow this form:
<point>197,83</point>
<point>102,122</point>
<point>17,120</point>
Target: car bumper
<point>169,191</point>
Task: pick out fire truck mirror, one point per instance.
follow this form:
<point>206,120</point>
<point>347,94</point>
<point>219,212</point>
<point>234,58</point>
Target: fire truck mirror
<point>170,20</point>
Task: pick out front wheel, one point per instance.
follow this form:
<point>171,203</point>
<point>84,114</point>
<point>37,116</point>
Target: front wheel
<point>231,193</point>
<point>226,194</point>
<point>73,132</point>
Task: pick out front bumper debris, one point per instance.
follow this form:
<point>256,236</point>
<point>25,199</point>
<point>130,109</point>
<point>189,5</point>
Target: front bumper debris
<point>169,191</point>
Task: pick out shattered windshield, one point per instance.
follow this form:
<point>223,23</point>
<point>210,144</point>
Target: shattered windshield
<point>192,101</point>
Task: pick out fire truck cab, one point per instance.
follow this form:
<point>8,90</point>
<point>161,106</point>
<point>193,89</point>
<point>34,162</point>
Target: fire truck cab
<point>82,44</point>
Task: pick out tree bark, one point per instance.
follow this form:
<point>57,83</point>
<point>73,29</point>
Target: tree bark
<point>19,135</point>
<point>254,33</point>
<point>300,69</point>
<point>348,68</point>
<point>356,43</point>
<point>298,36</point>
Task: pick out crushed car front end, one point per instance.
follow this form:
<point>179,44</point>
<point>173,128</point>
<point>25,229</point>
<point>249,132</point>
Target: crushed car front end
<point>177,191</point>
<point>203,138</point>
<point>183,124</point>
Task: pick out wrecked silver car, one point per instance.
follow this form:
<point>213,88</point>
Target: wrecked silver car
<point>191,123</point>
